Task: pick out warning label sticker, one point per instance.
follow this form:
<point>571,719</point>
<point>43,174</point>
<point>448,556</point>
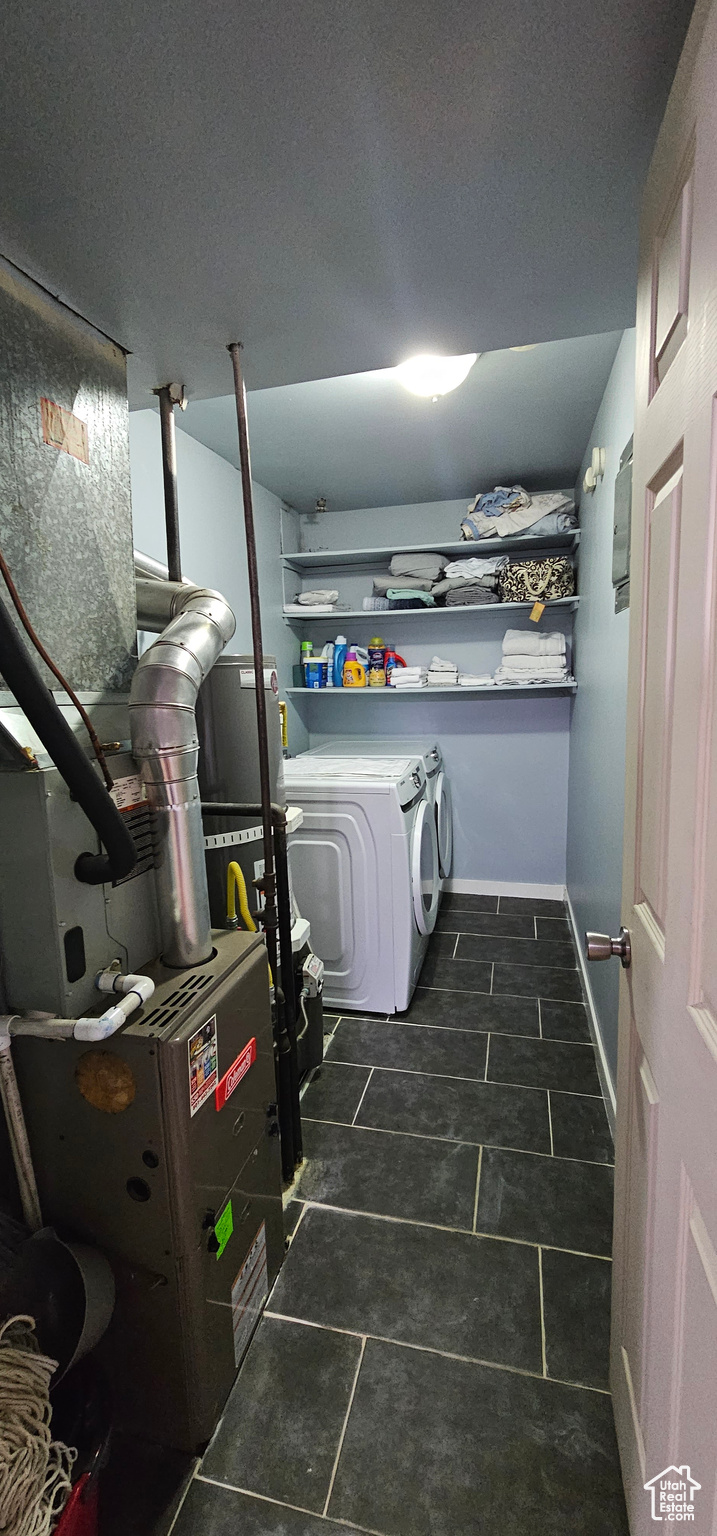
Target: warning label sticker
<point>202,1049</point>
<point>129,792</point>
<point>249,1292</point>
<point>247,678</point>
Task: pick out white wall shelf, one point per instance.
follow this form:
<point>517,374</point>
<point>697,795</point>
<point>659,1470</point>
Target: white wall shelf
<point>374,616</point>
<point>497,692</point>
<point>329,559</point>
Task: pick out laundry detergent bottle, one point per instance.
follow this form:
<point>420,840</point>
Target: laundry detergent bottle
<point>340,649</point>
<point>391,660</point>
<point>354,671</point>
<point>376,664</point>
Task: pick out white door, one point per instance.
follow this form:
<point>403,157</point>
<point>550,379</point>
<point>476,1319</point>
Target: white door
<point>664,1347</point>
<point>424,869</point>
<point>444,825</point>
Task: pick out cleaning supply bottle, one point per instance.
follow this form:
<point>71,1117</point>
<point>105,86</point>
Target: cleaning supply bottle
<point>354,671</point>
<point>327,655</point>
<point>392,660</point>
<point>340,649</point>
<point>376,663</point>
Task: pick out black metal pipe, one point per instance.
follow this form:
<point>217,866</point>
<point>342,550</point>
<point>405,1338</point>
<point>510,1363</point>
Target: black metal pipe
<point>169,475</point>
<point>24,681</point>
<point>283,901</point>
<point>289,1093</point>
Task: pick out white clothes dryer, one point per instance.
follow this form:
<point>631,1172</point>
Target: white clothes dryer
<point>438,785</point>
<point>364,868</point>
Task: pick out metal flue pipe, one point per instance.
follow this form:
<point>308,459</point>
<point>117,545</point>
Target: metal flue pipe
<point>196,624</point>
<point>169,474</point>
<point>270,916</point>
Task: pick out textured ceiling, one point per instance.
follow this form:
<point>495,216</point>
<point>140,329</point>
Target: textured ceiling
<point>338,183</point>
<point>364,441</point>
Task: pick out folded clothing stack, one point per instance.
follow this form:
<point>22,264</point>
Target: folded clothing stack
<point>476,680</point>
<point>375,604</point>
<point>533,658</point>
<point>470,594</point>
<point>427,567</point>
<point>442,674</point>
<point>407,677</point>
<point>467,583</point>
<point>549,513</point>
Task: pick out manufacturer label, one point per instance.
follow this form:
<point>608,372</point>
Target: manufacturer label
<point>62,430</point>
<point>129,793</point>
<point>536,612</point>
<point>249,1292</point>
<point>233,1077</point>
<point>247,677</point>
<point>224,1227</point>
<point>202,1049</point>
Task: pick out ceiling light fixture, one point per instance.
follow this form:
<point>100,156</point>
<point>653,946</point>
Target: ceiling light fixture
<point>432,376</point>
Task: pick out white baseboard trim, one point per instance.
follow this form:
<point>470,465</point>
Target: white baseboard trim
<point>604,1073</point>
<point>506,888</point>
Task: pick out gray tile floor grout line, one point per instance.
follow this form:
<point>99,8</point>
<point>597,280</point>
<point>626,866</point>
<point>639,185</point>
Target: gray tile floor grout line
<point>487,1054</point>
<point>540,1024</point>
<point>455,1029</point>
<point>535,920</point>
<point>455,947</point>
<point>434,1226</point>
<point>363,1095</point>
<point>300,1509</point>
<point>492,974</point>
<point>550,1125</point>
<point>344,1426</point>
<point>522,997</point>
<point>430,1349</point>
<point>542,1312</point>
<point>304,1208</point>
<point>475,1201</point>
<point>452,1141</point>
<point>366,1066</point>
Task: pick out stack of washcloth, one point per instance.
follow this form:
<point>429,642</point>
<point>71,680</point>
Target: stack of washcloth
<point>476,680</point>
<point>467,583</point>
<point>511,510</point>
<point>442,674</point>
<point>409,597</point>
<point>407,677</point>
<point>375,604</point>
<point>533,658</point>
<point>319,601</point>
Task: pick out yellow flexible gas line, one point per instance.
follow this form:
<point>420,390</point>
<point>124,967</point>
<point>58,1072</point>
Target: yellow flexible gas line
<point>237,884</point>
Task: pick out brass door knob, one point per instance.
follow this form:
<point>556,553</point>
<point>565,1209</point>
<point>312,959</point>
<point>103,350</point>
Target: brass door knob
<point>599,946</point>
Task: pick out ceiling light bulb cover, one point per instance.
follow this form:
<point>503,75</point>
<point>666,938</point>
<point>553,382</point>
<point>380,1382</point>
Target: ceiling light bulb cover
<point>430,375</point>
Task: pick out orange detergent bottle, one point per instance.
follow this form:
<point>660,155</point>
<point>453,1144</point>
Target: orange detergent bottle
<point>354,672</point>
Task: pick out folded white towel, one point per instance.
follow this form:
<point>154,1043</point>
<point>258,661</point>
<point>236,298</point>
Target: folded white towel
<point>520,679</point>
<point>534,663</point>
<point>412,682</point>
<point>303,610</point>
<point>521,642</point>
<point>438,664</point>
<point>406,672</point>
<point>475,680</point>
<point>475,567</point>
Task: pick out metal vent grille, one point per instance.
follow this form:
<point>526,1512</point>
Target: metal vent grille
<point>140,821</point>
<point>186,992</point>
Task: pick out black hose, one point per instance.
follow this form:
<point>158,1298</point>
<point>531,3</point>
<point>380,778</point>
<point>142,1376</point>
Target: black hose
<point>24,681</point>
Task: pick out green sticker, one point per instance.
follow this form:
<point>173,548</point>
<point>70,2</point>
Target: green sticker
<point>223,1228</point>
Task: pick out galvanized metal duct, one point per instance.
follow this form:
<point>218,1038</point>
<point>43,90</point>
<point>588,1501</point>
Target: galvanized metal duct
<point>195,625</point>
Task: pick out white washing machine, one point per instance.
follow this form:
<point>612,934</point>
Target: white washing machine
<point>364,869</point>
<point>438,785</point>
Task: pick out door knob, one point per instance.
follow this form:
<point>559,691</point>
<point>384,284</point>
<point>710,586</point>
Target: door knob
<point>599,946</point>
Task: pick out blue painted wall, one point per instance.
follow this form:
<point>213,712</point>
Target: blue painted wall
<point>597,746</point>
<point>212,532</point>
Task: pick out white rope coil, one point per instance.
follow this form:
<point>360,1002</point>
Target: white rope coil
<point>34,1469</point>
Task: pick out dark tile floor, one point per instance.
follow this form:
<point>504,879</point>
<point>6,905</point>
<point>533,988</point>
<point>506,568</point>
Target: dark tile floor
<point>433,1359</point>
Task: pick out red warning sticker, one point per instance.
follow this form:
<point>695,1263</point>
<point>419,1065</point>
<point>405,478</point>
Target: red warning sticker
<point>233,1077</point>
